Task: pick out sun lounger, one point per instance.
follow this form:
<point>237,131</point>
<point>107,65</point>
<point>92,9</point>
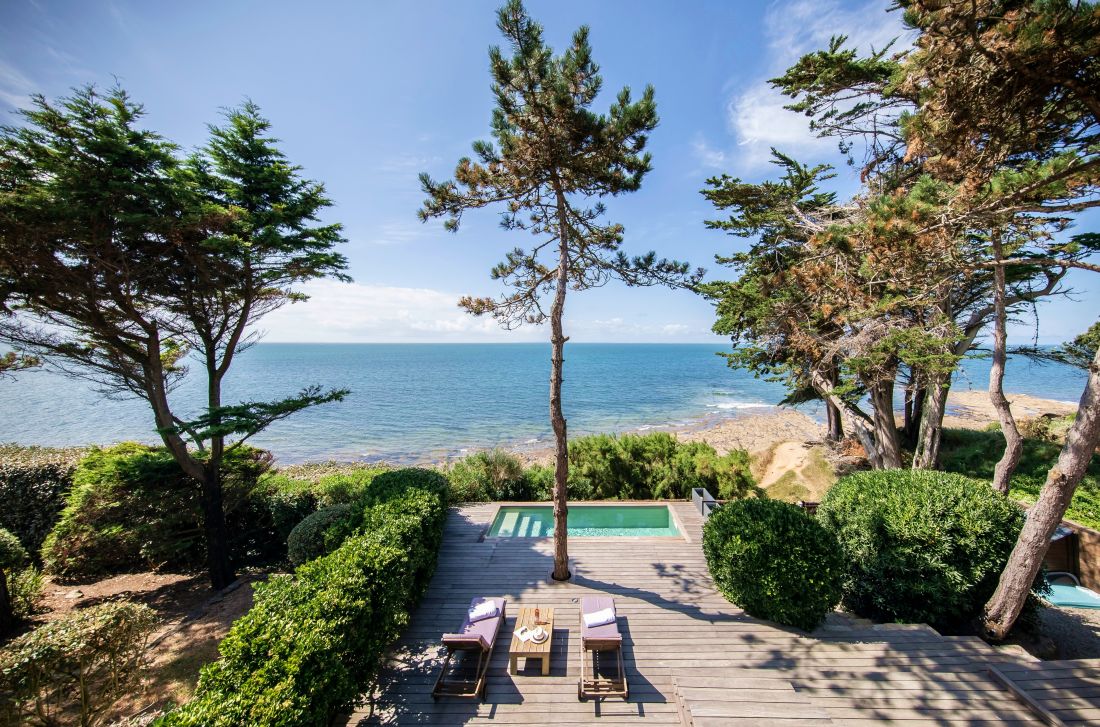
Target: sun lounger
<point>476,636</point>
<point>596,639</point>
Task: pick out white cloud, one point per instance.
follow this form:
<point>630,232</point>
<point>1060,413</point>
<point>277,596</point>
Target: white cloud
<point>400,233</point>
<point>409,163</point>
<point>15,87</point>
<point>759,122</point>
<point>802,26</point>
<point>755,113</point>
<point>622,330</point>
<point>353,312</point>
<point>708,155</point>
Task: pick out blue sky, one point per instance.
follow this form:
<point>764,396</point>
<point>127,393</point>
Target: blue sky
<point>367,95</point>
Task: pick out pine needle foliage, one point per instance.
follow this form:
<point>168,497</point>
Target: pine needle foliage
<point>551,160</point>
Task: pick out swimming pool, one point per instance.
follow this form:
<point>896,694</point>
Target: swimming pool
<point>537,521</point>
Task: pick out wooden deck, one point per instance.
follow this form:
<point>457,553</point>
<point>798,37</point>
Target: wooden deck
<point>695,659</point>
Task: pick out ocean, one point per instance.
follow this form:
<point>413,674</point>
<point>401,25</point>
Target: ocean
<point>430,402</point>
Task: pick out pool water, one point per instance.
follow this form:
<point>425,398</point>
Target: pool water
<point>536,521</point>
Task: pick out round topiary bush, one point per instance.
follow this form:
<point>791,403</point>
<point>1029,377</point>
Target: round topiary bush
<point>307,540</point>
<point>775,561</point>
<point>920,546</point>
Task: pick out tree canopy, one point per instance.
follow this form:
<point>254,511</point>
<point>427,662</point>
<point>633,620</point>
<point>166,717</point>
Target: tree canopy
<point>123,262</point>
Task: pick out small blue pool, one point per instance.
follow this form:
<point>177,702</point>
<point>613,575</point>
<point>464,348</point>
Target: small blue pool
<point>537,521</point>
<point>1065,590</point>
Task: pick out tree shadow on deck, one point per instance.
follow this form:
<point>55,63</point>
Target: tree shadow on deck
<point>469,565</point>
<point>404,692</point>
<point>827,674</point>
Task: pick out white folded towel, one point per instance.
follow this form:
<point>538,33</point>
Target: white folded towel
<point>599,618</point>
<point>482,611</point>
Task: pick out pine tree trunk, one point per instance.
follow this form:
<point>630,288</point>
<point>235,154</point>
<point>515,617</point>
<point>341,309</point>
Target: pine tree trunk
<point>218,562</point>
<point>1049,509</point>
<point>908,415</point>
<point>835,431</point>
<point>557,417</point>
<point>886,429</point>
<point>7,618</point>
<point>207,474</point>
<point>1014,443</point>
<point>914,411</point>
<point>859,422</point>
<point>926,454</point>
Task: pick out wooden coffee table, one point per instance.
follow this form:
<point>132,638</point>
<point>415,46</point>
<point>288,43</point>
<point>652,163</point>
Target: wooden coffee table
<point>529,649</point>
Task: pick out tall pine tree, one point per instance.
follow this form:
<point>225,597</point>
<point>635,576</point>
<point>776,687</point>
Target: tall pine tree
<point>552,156</point>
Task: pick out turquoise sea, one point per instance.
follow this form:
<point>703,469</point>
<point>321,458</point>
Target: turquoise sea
<point>426,402</point>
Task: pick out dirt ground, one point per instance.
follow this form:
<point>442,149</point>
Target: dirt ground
<point>1074,631</point>
<point>171,595</point>
<point>194,619</point>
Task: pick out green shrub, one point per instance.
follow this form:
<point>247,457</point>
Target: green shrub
<point>920,546</point>
<point>307,539</point>
<point>33,485</point>
<point>975,454</point>
<point>653,466</point>
<point>541,481</point>
<point>25,590</point>
<point>493,475</point>
<point>775,561</point>
<point>132,507</point>
<point>70,670</point>
<point>313,641</point>
<point>12,552</point>
<point>12,556</point>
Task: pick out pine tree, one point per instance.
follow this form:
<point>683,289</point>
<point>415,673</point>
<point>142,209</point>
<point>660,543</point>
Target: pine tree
<point>118,261</point>
<point>551,157</point>
<point>1009,106</point>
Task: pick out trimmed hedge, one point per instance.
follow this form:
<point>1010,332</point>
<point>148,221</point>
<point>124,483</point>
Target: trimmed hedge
<point>775,561</point>
<point>33,485</point>
<point>653,466</point>
<point>307,540</point>
<point>313,641</point>
<point>920,546</point>
<point>132,507</point>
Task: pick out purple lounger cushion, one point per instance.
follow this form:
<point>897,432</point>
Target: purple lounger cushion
<point>484,631</point>
<point>607,632</point>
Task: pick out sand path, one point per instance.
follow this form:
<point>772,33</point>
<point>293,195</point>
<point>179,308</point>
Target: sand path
<point>787,457</point>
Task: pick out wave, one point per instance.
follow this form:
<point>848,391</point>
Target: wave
<point>740,405</point>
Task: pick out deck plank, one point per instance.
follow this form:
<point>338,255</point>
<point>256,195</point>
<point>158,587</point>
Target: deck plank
<point>690,654</point>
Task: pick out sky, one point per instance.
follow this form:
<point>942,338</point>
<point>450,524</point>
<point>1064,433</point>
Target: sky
<point>365,96</point>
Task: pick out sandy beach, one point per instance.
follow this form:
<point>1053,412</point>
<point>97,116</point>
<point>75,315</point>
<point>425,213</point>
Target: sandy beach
<point>764,429</point>
<point>973,410</point>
